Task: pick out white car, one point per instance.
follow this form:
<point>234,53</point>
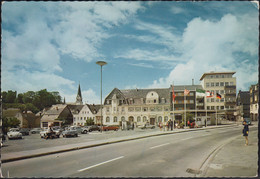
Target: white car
<point>43,133</point>
<point>14,134</point>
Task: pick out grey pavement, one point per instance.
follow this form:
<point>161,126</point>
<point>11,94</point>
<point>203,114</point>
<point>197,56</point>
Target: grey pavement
<point>13,156</point>
<point>234,159</point>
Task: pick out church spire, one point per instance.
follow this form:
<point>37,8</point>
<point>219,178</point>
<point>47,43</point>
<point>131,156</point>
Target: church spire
<point>79,96</point>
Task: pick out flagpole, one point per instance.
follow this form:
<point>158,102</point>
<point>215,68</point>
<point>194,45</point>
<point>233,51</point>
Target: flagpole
<point>184,107</point>
<point>173,117</point>
<point>206,104</point>
<point>196,104</point>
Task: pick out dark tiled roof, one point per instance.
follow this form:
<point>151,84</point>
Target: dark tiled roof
<point>141,93</point>
<point>75,108</point>
<point>94,108</point>
<point>188,87</point>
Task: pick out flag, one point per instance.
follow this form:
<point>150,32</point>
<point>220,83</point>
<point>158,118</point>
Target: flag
<point>209,94</point>
<point>200,91</point>
<point>186,91</point>
<point>173,95</point>
<point>218,96</point>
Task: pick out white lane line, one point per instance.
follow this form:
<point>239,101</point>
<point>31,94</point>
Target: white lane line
<point>159,145</point>
<point>100,164</point>
<point>187,138</point>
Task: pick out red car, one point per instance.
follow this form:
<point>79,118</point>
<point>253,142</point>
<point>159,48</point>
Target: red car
<point>107,128</point>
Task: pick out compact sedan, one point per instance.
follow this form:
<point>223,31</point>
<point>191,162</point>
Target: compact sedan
<point>112,127</point>
<point>36,130</point>
<point>25,131</point>
<point>70,132</point>
<point>14,134</point>
<point>92,128</point>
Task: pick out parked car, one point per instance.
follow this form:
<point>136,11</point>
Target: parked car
<point>111,127</point>
<point>14,134</point>
<point>92,128</point>
<point>36,130</point>
<point>56,132</point>
<point>70,132</point>
<point>25,131</point>
<point>77,128</point>
<point>146,126</point>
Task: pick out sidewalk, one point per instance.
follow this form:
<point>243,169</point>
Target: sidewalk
<point>13,156</point>
<point>235,159</point>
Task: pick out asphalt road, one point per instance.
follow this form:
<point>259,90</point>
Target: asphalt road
<point>169,155</point>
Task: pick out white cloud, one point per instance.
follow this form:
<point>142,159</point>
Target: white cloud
<point>212,46</point>
<point>177,10</point>
<point>145,65</point>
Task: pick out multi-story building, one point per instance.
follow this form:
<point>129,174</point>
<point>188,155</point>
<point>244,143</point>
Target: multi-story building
<point>81,113</point>
<point>243,105</point>
<point>140,106</point>
<point>137,106</point>
<point>224,84</point>
<point>254,97</point>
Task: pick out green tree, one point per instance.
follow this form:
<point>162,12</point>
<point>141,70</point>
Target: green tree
<point>19,98</point>
<point>13,122</point>
<point>4,94</point>
<point>31,107</point>
<point>10,96</point>
<point>89,122</point>
<point>28,96</point>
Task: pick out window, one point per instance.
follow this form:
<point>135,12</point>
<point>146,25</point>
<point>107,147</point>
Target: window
<point>166,108</point>
<point>154,100</point>
<point>221,91</point>
<point>152,109</point>
<point>160,119</point>
<point>158,108</point>
<point>217,76</point>
<point>107,109</point>
<point>84,118</point>
<point>222,76</point>
<point>217,84</point>
<point>221,107</point>
<point>212,84</point>
<point>221,83</point>
<point>80,118</point>
<point>138,119</point>
<point>217,91</point>
<point>222,100</point>
<point>217,107</point>
<point>212,100</point>
<point>122,118</point>
<point>138,109</point>
<point>144,119</point>
<point>217,100</point>
<point>107,119</point>
<point>207,84</point>
<point>226,83</point>
<point>208,100</point>
<point>130,109</point>
<point>145,109</point>
<point>212,107</point>
<point>115,119</point>
<point>165,118</point>
<point>211,76</point>
<point>208,107</point>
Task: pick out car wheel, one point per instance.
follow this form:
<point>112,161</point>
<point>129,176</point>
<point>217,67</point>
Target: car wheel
<point>90,130</point>
<point>76,135</point>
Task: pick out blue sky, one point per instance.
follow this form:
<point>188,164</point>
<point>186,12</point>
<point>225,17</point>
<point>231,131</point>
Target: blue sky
<point>54,45</point>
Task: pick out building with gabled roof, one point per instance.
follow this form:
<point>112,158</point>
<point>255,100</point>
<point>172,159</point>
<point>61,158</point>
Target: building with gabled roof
<point>56,115</point>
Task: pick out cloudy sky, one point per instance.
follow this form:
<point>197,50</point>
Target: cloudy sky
<point>54,45</point>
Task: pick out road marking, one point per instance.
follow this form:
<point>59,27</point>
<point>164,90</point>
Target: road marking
<point>159,145</point>
<point>187,138</point>
<point>100,164</point>
<point>205,135</point>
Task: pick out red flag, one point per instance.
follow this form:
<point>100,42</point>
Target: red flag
<point>173,95</point>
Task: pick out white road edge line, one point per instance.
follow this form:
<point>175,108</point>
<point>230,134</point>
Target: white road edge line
<point>100,164</point>
<point>187,138</point>
<point>159,145</point>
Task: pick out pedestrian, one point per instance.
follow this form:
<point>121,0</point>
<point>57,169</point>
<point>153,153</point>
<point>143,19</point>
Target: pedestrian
<point>171,123</point>
<point>174,124</point>
<point>168,125</point>
<point>245,131</point>
<point>133,126</point>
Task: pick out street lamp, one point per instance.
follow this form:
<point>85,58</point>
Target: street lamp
<point>101,63</point>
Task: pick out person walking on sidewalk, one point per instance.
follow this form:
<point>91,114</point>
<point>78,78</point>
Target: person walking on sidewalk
<point>245,131</point>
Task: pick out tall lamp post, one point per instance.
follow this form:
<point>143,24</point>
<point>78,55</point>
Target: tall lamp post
<point>101,64</point>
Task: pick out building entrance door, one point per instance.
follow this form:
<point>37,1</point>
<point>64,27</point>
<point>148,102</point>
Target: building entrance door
<point>152,121</point>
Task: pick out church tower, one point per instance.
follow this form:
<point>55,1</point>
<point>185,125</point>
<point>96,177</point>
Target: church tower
<point>79,97</point>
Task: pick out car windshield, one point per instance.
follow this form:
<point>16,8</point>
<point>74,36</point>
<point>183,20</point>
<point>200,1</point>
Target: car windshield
<point>14,130</point>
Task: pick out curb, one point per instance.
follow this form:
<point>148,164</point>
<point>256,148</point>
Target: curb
<point>106,143</point>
